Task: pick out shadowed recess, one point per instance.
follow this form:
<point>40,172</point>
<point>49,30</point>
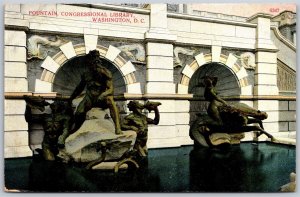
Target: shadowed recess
<point>227,81</point>
<point>69,75</point>
<point>227,85</point>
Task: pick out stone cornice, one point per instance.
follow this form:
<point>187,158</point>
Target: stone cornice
<point>210,20</point>
<point>160,35</point>
<point>266,50</point>
<point>18,28</point>
<point>115,7</point>
<point>260,15</point>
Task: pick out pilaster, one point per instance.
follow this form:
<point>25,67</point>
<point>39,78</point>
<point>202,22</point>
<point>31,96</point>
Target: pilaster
<point>15,77</point>
<point>266,72</point>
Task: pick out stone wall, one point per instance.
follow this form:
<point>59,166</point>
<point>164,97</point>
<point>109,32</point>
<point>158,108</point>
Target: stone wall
<point>287,117</point>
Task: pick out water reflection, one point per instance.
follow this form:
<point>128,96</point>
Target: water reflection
<point>245,167</point>
<point>47,176</point>
<point>251,168</point>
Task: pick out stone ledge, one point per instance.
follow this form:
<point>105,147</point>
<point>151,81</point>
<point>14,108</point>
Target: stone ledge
<point>165,37</point>
<point>163,143</point>
<point>262,49</point>
<point>50,95</point>
<point>20,95</point>
<point>287,141</point>
<point>253,97</point>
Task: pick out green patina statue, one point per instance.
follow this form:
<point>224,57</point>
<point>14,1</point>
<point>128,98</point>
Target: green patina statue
<point>56,125</point>
<point>99,91</point>
<point>224,118</point>
<point>138,122</point>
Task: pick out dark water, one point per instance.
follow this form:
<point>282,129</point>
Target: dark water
<point>241,168</point>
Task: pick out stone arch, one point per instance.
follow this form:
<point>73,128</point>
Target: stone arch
<point>51,65</point>
<point>227,85</point>
<point>216,56</point>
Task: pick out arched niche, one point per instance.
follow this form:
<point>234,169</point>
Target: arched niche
<point>69,75</point>
<point>227,85</point>
<point>61,71</point>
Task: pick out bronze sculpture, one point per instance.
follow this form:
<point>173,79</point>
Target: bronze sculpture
<point>99,91</point>
<point>138,122</point>
<point>224,118</point>
<point>93,129</point>
<point>56,125</point>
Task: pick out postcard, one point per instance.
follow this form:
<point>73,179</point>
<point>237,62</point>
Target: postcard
<point>158,97</point>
